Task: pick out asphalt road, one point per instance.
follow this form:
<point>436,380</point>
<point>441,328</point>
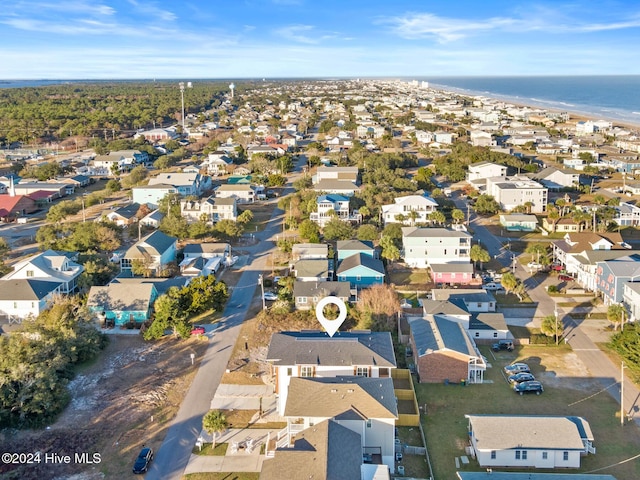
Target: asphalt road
<point>173,455</point>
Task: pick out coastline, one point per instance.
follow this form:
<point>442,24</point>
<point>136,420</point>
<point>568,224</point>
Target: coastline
<point>575,115</point>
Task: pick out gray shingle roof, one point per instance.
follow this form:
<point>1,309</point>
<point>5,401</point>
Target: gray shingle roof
<point>321,289</point>
<point>347,398</point>
<point>312,268</point>
<point>325,451</point>
<point>443,307</point>
<point>340,350</point>
<point>26,289</point>
<point>502,432</point>
<point>488,321</point>
<point>121,297</point>
<point>354,245</point>
<point>358,259</point>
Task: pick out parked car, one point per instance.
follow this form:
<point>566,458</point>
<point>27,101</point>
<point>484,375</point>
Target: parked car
<point>271,296</point>
<point>143,460</point>
<point>556,267</point>
<point>565,278</point>
<point>197,330</point>
<point>533,265</point>
<point>493,286</point>
<point>502,345</point>
<point>516,368</point>
<point>521,377</point>
<point>532,386</point>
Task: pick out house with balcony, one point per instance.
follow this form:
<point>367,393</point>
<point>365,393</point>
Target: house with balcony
<point>333,206</point>
<point>555,179</point>
<point>424,246</point>
<point>315,354</point>
<point>242,193</point>
<point>577,244</point>
<point>218,163</point>
<point>611,276</point>
<point>210,210</point>
<point>409,210</point>
<point>443,351</point>
<point>48,266</point>
<point>631,300</point>
<point>534,441</point>
<point>23,298</point>
<point>453,274</point>
<point>483,170</point>
<point>185,184</point>
<point>154,252</point>
<point>510,192</point>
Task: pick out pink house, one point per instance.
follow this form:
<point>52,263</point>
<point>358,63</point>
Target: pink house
<point>453,273</point>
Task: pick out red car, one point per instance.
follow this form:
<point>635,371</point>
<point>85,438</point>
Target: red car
<point>557,267</point>
<point>197,330</point>
<point>565,278</point>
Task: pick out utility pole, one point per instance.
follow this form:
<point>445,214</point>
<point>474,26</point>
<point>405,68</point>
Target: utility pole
<point>556,312</point>
<point>622,394</point>
<point>261,282</point>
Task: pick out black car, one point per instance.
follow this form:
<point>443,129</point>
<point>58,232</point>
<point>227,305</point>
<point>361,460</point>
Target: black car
<point>528,387</point>
<point>143,460</point>
<point>503,345</point>
<point>521,377</point>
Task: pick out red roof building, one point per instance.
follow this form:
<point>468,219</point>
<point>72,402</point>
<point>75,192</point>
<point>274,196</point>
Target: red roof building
<point>16,206</point>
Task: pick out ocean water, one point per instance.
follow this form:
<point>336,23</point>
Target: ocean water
<point>610,97</point>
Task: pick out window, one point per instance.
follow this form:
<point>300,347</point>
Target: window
<point>565,456</point>
<point>306,371</point>
<point>495,334</point>
<point>15,305</point>
<point>362,371</point>
<point>368,423</point>
<point>289,371</point>
<point>477,334</point>
<point>30,273</point>
<point>524,455</point>
<point>517,454</point>
<point>493,454</point>
<point>302,299</point>
<point>358,278</point>
<point>545,455</point>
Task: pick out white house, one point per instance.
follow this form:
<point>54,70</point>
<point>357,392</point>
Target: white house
<point>315,354</point>
<point>424,246</point>
<point>23,298</point>
<point>532,441</point>
<point>336,173</point>
<point>422,206</point>
<point>482,170</point>
<point>242,193</point>
<point>555,179</point>
<point>49,266</point>
<point>184,183</point>
<point>151,195</point>
<point>210,209</point>
<point>511,192</point>
<point>337,204</point>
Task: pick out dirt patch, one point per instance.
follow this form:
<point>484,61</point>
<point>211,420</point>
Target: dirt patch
<point>126,398</point>
<point>566,371</point>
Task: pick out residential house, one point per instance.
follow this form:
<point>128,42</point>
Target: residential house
<point>444,351</point>
<point>483,170</point>
<point>534,441</point>
<point>474,300</point>
<point>133,157</point>
<point>210,210</point>
<point>565,251</point>
<point>200,266</point>
<point>12,207</point>
<point>556,179</point>
<point>409,210</point>
<point>218,163</point>
<point>628,214</point>
<point>333,205</point>
<point>76,180</point>
<point>452,273</point>
<point>424,246</point>
<point>122,216</point>
<point>153,219</point>
<point>54,189</point>
<point>367,406</point>
<point>611,275</point>
<point>349,174</point>
<point>326,450</point>
<point>49,266</point>
<point>519,222</point>
<point>151,195</point>
<point>346,248</point>
<point>346,188</point>
<point>184,184</point>
<point>488,326</point>
<point>480,138</point>
<point>510,192</point>
<point>307,294</point>
<point>309,251</point>
<point>361,271</point>
<point>155,252</point>
<point>242,193</point>
<point>122,303</point>
<point>451,310</point>
<point>562,225</point>
<point>158,134</point>
<point>631,300</point>
<point>316,354</point>
<point>207,250</point>
<point>105,165</point>
<point>23,298</point>
<point>313,270</point>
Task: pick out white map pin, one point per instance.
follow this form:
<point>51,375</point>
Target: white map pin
<point>331,326</point>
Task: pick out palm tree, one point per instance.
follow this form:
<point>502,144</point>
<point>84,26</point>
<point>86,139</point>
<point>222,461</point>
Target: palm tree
<point>437,217</point>
<point>615,314</point>
<point>412,216</point>
<point>536,249</point>
<point>214,422</point>
<point>457,215</point>
<point>400,218</point>
<point>479,254</point>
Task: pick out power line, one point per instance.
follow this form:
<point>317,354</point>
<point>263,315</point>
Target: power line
<point>614,464</point>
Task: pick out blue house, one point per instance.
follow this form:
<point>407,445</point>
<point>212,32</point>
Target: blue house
<point>155,252</point>
<point>346,248</point>
<point>123,303</point>
<point>611,275</point>
<point>361,270</point>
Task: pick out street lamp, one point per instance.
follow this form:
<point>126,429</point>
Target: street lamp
<point>556,313</point>
<point>622,367</point>
<point>261,282</point>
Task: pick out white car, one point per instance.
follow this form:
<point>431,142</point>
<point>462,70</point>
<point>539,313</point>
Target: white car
<point>271,296</point>
<point>533,265</point>
<point>493,286</point>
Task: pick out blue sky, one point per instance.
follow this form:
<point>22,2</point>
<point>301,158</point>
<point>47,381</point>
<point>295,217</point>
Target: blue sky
<point>315,38</point>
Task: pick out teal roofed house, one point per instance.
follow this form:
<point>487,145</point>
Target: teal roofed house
<point>361,270</point>
<point>346,248</point>
<point>123,303</point>
<point>239,179</point>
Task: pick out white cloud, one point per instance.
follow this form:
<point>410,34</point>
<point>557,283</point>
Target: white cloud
<point>296,33</point>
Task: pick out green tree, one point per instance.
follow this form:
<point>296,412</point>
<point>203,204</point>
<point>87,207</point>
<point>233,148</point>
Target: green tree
<point>168,316</point>
<point>437,217</point>
<point>616,314</point>
<point>486,205</point>
<point>113,185</point>
<point>390,251</point>
<point>367,232</point>
<point>228,229</point>
<point>309,230</point>
<point>245,217</point>
<point>479,254</point>
<point>336,229</point>
<point>214,422</point>
<point>552,327</point>
<point>457,215</point>
<point>536,250</point>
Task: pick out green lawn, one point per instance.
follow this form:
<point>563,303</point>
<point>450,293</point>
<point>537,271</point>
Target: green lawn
<point>220,450</point>
<point>446,428</point>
